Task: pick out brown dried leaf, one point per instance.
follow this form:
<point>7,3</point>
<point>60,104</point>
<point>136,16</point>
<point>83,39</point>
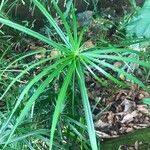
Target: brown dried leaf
<point>55,52</point>
<point>101,124</point>
<point>129,117</point>
<point>143,109</point>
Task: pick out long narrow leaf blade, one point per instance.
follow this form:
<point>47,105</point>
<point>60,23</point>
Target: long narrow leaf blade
<point>133,60</point>
<point>121,71</point>
<point>30,84</point>
<point>32,33</point>
<point>94,75</point>
<point>110,50</point>
<point>63,18</point>
<point>108,75</point>
<point>25,71</point>
<point>18,59</point>
<point>52,22</point>
<point>87,109</point>
<point>60,102</point>
<point>33,99</point>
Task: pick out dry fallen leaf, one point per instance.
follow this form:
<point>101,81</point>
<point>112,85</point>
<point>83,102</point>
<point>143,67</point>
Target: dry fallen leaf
<point>129,117</point>
<point>55,52</point>
<point>118,64</point>
<point>143,109</point>
<point>104,135</point>
<point>101,124</point>
<point>88,44</point>
<point>129,130</point>
<point>128,105</point>
<point>125,113</point>
<point>42,51</point>
<point>122,77</point>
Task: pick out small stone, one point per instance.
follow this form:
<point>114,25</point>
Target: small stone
<point>85,18</point>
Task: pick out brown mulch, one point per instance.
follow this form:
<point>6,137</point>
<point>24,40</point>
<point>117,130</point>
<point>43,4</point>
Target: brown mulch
<point>123,113</point>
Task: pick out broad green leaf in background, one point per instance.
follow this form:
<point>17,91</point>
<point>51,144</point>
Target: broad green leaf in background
<point>140,24</point>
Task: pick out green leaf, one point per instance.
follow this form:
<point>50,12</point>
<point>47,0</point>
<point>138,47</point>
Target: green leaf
<point>30,84</point>
<point>52,22</point>
<point>81,37</point>
<point>28,134</point>
<point>110,50</point>
<point>87,109</point>
<point>120,58</point>
<point>108,75</point>
<point>66,25</point>
<point>90,70</point>
<point>60,102</point>
<point>77,132</point>
<point>20,58</point>
<point>24,72</point>
<point>32,33</point>
<point>121,71</point>
<point>1,5</point>
<point>75,26</point>
<point>33,98</point>
<point>140,24</point>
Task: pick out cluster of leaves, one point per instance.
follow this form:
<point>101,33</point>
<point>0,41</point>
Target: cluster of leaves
<point>72,63</point>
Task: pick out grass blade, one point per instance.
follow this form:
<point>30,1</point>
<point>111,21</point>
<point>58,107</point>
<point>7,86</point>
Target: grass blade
<point>33,98</point>
<point>133,60</point>
<point>110,50</point>
<point>52,22</point>
<point>121,71</point>
<point>26,135</point>
<point>108,75</point>
<point>30,84</point>
<point>60,102</point>
<point>20,58</point>
<point>25,71</point>
<point>87,109</point>
<point>32,33</point>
